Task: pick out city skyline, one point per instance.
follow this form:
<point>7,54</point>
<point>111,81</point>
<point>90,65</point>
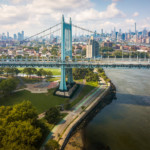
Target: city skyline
<point>33,16</point>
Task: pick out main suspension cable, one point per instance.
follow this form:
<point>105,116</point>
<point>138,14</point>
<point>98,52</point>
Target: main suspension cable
<point>40,32</point>
<point>85,29</point>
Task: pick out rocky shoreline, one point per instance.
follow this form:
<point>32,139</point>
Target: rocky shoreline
<point>77,140</point>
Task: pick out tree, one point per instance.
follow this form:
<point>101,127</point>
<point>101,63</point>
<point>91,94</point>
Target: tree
<point>42,72</point>
<point>7,70</point>
<point>84,51</point>
<point>44,51</point>
<point>1,71</point>
<point>52,115</point>
<point>39,73</point>
<point>100,70</point>
<point>16,71</point>
<point>7,86</point>
<point>54,50</point>
<point>21,135</point>
<point>49,73</point>
<point>29,71</point>
<point>82,107</point>
<point>23,111</point>
<point>52,145</point>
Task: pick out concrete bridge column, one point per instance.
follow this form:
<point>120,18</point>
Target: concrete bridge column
<point>70,76</point>
<point>63,86</point>
<point>66,50</point>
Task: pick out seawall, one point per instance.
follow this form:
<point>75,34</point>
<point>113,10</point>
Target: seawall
<point>82,117</point>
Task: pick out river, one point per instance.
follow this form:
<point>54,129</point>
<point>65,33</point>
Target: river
<point>125,123</point>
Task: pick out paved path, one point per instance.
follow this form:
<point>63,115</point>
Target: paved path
<point>76,113</point>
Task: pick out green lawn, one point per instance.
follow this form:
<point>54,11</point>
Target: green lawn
<point>42,102</point>
<point>86,89</point>
<point>53,70</point>
<point>92,83</point>
<point>54,79</point>
<point>81,80</point>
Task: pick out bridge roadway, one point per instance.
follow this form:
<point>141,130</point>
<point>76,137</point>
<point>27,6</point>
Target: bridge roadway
<point>97,63</point>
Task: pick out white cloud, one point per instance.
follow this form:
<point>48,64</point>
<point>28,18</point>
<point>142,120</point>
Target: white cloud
<point>130,21</point>
<point>92,14</point>
<point>33,15</point>
<point>135,14</point>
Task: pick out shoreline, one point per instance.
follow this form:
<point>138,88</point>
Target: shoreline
<point>76,140</point>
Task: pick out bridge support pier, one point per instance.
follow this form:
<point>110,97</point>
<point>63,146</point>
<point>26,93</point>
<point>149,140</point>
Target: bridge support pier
<point>66,50</point>
<point>70,76</point>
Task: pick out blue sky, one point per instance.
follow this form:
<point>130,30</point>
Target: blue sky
<point>35,15</point>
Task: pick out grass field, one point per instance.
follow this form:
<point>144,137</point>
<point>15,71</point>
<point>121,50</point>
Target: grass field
<point>53,70</point>
<point>92,83</point>
<point>44,101</point>
<point>54,79</point>
<point>86,89</point>
<point>41,102</point>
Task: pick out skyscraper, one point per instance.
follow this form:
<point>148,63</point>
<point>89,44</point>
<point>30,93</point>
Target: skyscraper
<point>123,37</point>
<point>102,31</point>
<point>22,38</point>
<point>7,35</point>
<point>15,37</point>
<point>135,27</point>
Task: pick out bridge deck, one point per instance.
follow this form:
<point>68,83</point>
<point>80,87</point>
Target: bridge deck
<point>104,63</point>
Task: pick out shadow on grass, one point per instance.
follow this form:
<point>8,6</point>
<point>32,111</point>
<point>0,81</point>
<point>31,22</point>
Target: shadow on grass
<point>86,90</point>
<point>41,101</point>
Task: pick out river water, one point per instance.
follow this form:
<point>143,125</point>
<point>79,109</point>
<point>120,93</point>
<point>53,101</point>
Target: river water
<point>125,123</point>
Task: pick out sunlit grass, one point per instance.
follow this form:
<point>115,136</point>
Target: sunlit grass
<point>92,83</point>
<point>53,70</point>
<point>86,89</point>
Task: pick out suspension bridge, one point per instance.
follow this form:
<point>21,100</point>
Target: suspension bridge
<point>66,65</point>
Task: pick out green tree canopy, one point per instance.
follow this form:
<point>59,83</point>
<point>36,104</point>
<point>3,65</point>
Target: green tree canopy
<point>20,128</point>
<point>52,145</point>
<point>52,115</point>
<point>8,85</point>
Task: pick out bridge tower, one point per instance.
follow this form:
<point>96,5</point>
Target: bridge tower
<point>66,50</point>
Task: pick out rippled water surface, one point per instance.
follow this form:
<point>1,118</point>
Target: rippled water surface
<point>125,123</point>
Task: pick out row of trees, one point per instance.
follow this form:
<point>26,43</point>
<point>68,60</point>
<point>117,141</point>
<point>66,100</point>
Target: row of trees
<point>87,74</point>
<point>9,71</point>
<point>103,75</point>
<point>120,54</point>
<point>38,72</point>
<point>27,71</point>
<point>20,128</point>
<point>106,49</point>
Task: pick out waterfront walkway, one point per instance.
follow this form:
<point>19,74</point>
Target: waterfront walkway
<point>61,131</point>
